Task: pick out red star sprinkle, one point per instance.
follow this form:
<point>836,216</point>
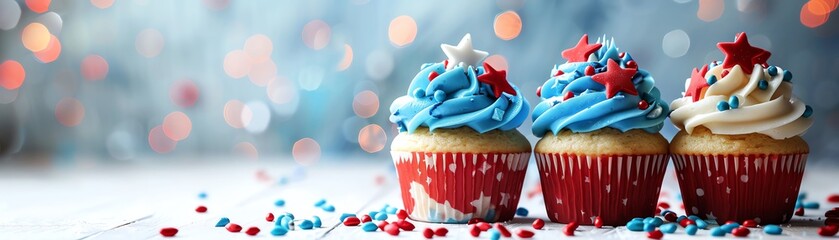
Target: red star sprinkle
<point>697,83</point>
<point>740,52</point>
<point>497,80</point>
<point>580,52</point>
<point>616,79</point>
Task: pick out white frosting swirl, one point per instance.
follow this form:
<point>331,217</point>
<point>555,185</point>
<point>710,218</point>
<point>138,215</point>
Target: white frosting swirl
<point>773,111</point>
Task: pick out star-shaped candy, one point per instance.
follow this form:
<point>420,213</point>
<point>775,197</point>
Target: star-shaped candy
<point>740,52</point>
<point>616,79</point>
<point>497,80</point>
<point>580,52</point>
<point>463,53</point>
<point>697,83</point>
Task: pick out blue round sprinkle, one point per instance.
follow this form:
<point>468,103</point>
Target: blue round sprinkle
<point>787,76</point>
<point>328,208</point>
<point>811,205</point>
<point>711,80</point>
<point>734,102</point>
<point>222,222</point>
<point>763,84</point>
<point>668,228</point>
<point>419,92</point>
<point>494,234</point>
<point>772,229</point>
<point>772,70</point>
<point>522,212</point>
<point>381,216</point>
<point>279,231</point>
<point>369,227</point>
<point>808,111</point>
<point>316,222</point>
<point>439,95</point>
<point>320,202</point>
<point>701,223</point>
<point>649,227</point>
<point>717,232</point>
<point>279,203</point>
<point>346,215</point>
<point>635,226</point>
<point>722,106</point>
<point>691,230</point>
<point>306,225</point>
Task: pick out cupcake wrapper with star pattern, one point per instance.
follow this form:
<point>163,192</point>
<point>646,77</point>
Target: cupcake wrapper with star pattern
<point>616,188</point>
<point>740,187</point>
<point>456,187</point>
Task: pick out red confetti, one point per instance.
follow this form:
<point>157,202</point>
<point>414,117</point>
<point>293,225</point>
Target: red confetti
<point>270,217</point>
<point>568,95</point>
<point>685,222</point>
<point>392,229</point>
<point>252,231</point>
<point>382,225</point>
<point>233,227</point>
<point>538,224</point>
<point>366,218</point>
<point>441,232</point>
<point>475,220</point>
<point>598,222</point>
<point>724,73</point>
<point>741,232</point>
<point>750,223</point>
<point>539,91</point>
<point>432,76</point>
<point>201,209</point>
<point>484,226</point>
<point>428,233</point>
<point>828,231</point>
<point>446,63</point>
<point>569,229</point>
<point>580,52</point>
<point>799,212</point>
<point>168,232</point>
<point>697,83</point>
<point>474,230</point>
<point>503,230</point>
<point>589,70</point>
<point>832,222</point>
<point>657,234</point>
<point>664,205</point>
<point>657,210</point>
<point>497,80</point>
<point>671,217</point>
<point>833,198</point>
<point>740,52</point>
<point>522,233</point>
<point>402,214</point>
<point>405,225</point>
<point>558,73</point>
<point>643,105</point>
<point>616,79</point>
<point>351,221</point>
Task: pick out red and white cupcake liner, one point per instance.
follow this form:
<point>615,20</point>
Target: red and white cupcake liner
<point>740,187</point>
<point>456,187</point>
<point>616,188</point>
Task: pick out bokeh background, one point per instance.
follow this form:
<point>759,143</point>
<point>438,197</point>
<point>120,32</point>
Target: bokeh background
<point>100,81</point>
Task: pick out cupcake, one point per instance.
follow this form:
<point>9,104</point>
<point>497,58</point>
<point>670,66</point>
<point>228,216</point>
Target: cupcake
<point>739,154</point>
<point>600,154</point>
<point>458,154</point>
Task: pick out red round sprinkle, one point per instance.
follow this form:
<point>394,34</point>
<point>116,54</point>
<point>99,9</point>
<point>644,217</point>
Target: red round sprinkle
<point>741,232</point>
<point>833,198</point>
<point>569,229</point>
<point>484,226</point>
<point>524,233</point>
<point>475,220</point>
<point>201,209</point>
<point>366,218</point>
<point>598,222</point>
<point>252,231</point>
<point>474,230</point>
<point>428,233</point>
<point>270,217</point>
<point>671,217</point>
<point>799,212</point>
<point>402,214</point>
<point>233,227</point>
<point>631,64</point>
<point>538,224</point>
<point>382,225</point>
<point>657,234</point>
<point>168,232</point>
<point>589,70</point>
<point>621,54</point>
<point>539,91</point>
<point>833,213</point>
<point>832,222</point>
<point>685,222</point>
<point>664,205</point>
<point>441,232</point>
<point>392,229</point>
<point>405,225</point>
<point>503,230</point>
<point>351,221</point>
<point>828,231</point>
<point>568,95</point>
<point>750,223</point>
<point>643,105</point>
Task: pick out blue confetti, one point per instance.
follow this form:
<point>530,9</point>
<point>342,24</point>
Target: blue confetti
<point>279,220</point>
<point>316,222</point>
<point>772,229</point>
<point>635,226</point>
<point>320,203</point>
<point>680,218</point>
<point>391,210</point>
<point>222,222</point>
<point>729,227</point>
<point>202,195</point>
<point>694,218</point>
<point>798,205</point>
<point>346,215</point>
<point>285,222</point>
<point>717,232</point>
<point>802,195</point>
<point>668,228</point>
<point>279,203</point>
<point>772,70</point>
<point>279,231</point>
<point>811,205</point>
<point>328,208</point>
<point>787,76</point>
<point>306,225</point>
<point>289,215</point>
<point>691,230</point>
<point>701,224</point>
<point>494,234</point>
<point>649,227</point>
<point>369,227</point>
<point>734,102</point>
<point>381,216</point>
<point>522,212</point>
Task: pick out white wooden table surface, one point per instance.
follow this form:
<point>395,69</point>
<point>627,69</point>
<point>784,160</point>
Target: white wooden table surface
<point>136,200</point>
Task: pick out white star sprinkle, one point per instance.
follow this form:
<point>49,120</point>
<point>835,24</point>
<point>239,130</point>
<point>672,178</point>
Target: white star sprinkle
<point>463,54</point>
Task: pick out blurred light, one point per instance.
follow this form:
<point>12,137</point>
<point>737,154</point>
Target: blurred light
<point>69,112</point>
<point>246,149</point>
<point>9,14</point>
<point>310,77</point>
<point>507,25</point>
<point>8,96</point>
<point>177,126</point>
<point>262,73</point>
<point>280,90</point>
<point>237,64</point>
<point>810,13</point>
<point>350,127</point>
<point>402,30</point>
<point>159,142</point>
<point>761,40</point>
<point>35,37</point>
<point>710,10</point>
<point>306,151</point>
<point>256,116</point>
<point>94,67</point>
<point>12,74</point>
<point>316,34</point>
<point>379,64</point>
<point>259,48</point>
<point>675,43</point>
<point>216,4</point>
<point>50,53</point>
<point>149,42</point>
<point>120,145</point>
<point>372,138</point>
<point>682,1</point>
<point>233,113</point>
<point>184,93</point>
<point>822,7</point>
<point>365,104</point>
<point>38,6</point>
<point>103,4</point>
<point>497,61</point>
<point>346,61</point>
<point>52,21</point>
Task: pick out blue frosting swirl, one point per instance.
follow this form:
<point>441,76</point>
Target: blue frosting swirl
<point>590,109</point>
<point>455,99</point>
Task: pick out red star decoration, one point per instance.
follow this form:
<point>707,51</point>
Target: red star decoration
<point>497,80</point>
<point>616,79</point>
<point>740,52</point>
<point>697,83</point>
<point>580,52</point>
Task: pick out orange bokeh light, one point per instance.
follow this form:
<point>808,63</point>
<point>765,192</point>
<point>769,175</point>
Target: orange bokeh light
<point>815,13</point>
<point>94,67</point>
<point>316,34</point>
<point>35,37</point>
<point>710,10</point>
<point>372,138</point>
<point>497,61</point>
<point>346,61</point>
<point>102,3</point>
<point>12,75</point>
<point>262,73</point>
<point>237,64</point>
<point>69,112</point>
<point>365,104</point>
<point>50,53</point>
<point>507,25</point>
<point>306,151</point>
<point>259,48</point>
<point>38,6</point>
<point>247,150</point>
<point>402,30</point>
<point>233,113</point>
<point>159,142</point>
<point>177,126</point>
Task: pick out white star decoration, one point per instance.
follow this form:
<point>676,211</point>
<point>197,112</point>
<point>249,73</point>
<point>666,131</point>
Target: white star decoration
<point>463,54</point>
